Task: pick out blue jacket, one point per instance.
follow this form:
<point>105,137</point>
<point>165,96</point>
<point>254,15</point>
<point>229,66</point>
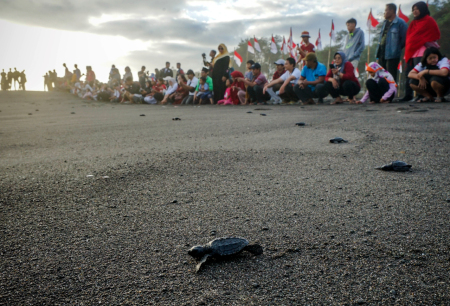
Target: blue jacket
<point>395,39</point>
<point>354,45</point>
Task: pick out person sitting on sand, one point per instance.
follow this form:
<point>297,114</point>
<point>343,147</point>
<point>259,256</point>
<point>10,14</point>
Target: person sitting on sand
<point>341,80</point>
<point>130,89</point>
<point>227,97</point>
<point>173,86</point>
<point>157,93</point>
<point>381,86</point>
<point>202,93</point>
<point>430,78</point>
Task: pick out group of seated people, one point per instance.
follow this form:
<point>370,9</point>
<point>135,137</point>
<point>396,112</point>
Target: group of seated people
<point>289,85</point>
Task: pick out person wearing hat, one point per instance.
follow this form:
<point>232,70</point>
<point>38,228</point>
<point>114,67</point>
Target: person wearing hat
<point>311,81</point>
<point>287,81</point>
<point>190,86</point>
<point>306,47</point>
<point>278,73</point>
<point>255,86</point>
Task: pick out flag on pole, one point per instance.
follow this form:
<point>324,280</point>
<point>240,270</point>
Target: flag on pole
<point>371,21</point>
<point>284,48</point>
<point>319,42</point>
<point>400,67</point>
<point>401,15</point>
<point>250,48</point>
<point>273,46</point>
<point>256,44</point>
<point>357,72</point>
<point>290,42</point>
<point>332,33</point>
<point>237,58</point>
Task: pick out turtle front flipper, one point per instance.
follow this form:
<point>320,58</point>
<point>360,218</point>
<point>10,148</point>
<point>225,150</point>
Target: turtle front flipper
<point>199,265</point>
<point>255,249</point>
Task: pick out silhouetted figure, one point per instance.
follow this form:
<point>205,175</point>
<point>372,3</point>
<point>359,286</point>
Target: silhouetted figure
<point>54,78</point>
<point>10,78</point>
<point>50,81</point>
<point>23,80</point>
<point>16,75</point>
<point>4,80</point>
<point>46,81</point>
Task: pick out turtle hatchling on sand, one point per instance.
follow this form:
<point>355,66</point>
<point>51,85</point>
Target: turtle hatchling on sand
<point>338,140</point>
<point>397,165</point>
<point>222,247</point>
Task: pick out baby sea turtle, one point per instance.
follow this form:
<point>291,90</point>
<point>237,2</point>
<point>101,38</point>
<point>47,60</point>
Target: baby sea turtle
<point>300,124</point>
<point>222,247</point>
<point>397,165</point>
<point>338,140</point>
<point>176,119</point>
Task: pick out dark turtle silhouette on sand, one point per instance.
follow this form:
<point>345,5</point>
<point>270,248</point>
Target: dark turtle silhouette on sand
<point>397,165</point>
<point>223,247</point>
<point>338,140</point>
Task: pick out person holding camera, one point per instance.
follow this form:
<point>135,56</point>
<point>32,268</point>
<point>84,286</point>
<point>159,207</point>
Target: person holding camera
<point>341,80</point>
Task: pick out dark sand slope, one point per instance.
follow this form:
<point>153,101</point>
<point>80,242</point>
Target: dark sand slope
<point>335,230</point>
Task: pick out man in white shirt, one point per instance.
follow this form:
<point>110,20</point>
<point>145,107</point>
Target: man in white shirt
<point>190,86</point>
<point>288,80</point>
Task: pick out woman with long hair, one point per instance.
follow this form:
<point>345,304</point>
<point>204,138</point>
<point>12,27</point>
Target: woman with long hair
<point>423,32</point>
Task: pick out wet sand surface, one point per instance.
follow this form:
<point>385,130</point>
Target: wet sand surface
<point>99,204</point>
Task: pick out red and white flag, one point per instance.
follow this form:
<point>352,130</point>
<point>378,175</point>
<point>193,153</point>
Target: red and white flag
<point>401,15</point>
<point>250,48</point>
<point>371,21</point>
<point>284,48</point>
<point>273,46</point>
<point>290,41</point>
<point>319,42</point>
<point>357,72</point>
<point>332,33</point>
<point>237,58</point>
<point>400,67</point>
<point>256,44</point>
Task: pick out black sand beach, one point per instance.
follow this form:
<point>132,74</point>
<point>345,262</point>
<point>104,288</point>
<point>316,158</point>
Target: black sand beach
<point>99,205</point>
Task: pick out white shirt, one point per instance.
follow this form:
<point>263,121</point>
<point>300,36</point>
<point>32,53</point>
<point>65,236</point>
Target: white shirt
<point>192,83</point>
<point>444,63</point>
<point>171,89</point>
<point>296,73</point>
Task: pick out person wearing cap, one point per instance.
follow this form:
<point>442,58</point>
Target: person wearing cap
<point>287,81</point>
<point>165,72</point>
<point>190,86</point>
<point>278,73</point>
<point>209,81</point>
<point>255,86</point>
<point>306,47</point>
<point>311,81</point>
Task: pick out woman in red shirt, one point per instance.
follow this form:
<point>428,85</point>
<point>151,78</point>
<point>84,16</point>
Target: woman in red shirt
<point>341,80</point>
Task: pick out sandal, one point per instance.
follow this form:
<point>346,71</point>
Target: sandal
<point>440,100</point>
<point>423,100</point>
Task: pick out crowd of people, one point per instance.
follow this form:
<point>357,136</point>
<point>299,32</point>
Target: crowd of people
<point>16,78</point>
<point>302,81</point>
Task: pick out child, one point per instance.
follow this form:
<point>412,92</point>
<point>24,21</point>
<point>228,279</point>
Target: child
<point>248,77</point>
<point>430,78</point>
<point>227,98</point>
<point>381,87</point>
<point>203,92</point>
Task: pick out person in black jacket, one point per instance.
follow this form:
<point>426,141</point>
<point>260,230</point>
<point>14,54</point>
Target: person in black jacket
<point>165,72</point>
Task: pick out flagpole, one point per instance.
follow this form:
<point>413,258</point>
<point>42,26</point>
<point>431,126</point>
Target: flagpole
<point>329,50</point>
<point>368,49</point>
<point>232,62</point>
<point>399,78</point>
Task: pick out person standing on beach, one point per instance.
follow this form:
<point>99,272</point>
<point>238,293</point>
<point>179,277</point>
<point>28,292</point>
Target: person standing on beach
<point>46,78</point>
<point>10,78</point>
<point>16,75</point>
<point>23,80</point>
<point>4,80</point>
<point>354,44</point>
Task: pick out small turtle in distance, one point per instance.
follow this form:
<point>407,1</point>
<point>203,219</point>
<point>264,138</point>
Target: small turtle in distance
<point>397,165</point>
<point>222,247</point>
<point>338,140</point>
<point>300,124</point>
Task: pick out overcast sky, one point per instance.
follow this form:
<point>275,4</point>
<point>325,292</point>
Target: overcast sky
<point>41,35</point>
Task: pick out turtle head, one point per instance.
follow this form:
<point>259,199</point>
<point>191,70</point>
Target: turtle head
<point>197,251</point>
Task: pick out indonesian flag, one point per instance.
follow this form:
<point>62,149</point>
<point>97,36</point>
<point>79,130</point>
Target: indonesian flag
<point>427,3</point>
<point>332,33</point>
<point>273,46</point>
<point>290,41</point>
<point>256,44</point>
<point>237,58</point>
<point>319,42</point>
<point>371,21</point>
<point>401,15</point>
<point>357,72</point>
<point>250,48</point>
<point>400,67</point>
<point>284,48</point>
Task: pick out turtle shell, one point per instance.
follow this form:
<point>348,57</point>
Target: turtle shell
<point>337,140</point>
<point>227,245</point>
